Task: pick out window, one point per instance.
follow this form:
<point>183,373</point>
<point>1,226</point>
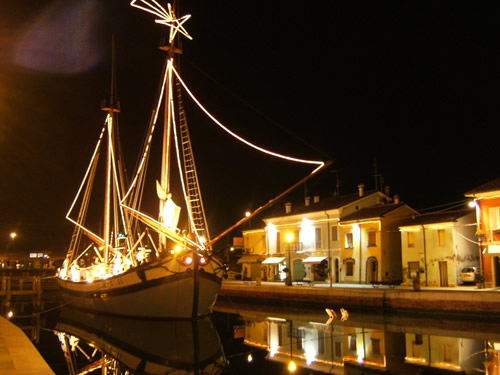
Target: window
<point>348,241</point>
<point>352,343</point>
<point>338,349</point>
<point>349,268</point>
<point>375,346</point>
<point>278,242</point>
<point>447,353</point>
<point>318,238</point>
<point>321,342</point>
<point>372,238</point>
<point>441,237</point>
<point>335,236</point>
<point>410,239</point>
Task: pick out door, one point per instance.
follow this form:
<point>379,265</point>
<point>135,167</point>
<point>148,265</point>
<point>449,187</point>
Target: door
<point>443,273</point>
<point>337,270</point>
<point>371,270</point>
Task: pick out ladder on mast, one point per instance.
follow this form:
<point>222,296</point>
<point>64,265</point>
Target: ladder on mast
<point>191,177</point>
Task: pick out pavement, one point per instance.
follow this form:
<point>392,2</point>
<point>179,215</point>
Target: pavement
<point>468,287</point>
<point>18,355</point>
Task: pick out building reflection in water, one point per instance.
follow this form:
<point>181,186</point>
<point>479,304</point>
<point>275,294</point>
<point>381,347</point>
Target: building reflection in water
<point>371,343</point>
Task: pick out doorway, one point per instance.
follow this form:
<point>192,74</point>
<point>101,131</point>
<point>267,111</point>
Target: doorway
<point>371,270</point>
<point>443,273</point>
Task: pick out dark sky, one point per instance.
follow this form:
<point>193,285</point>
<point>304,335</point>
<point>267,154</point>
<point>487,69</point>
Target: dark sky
<point>413,86</point>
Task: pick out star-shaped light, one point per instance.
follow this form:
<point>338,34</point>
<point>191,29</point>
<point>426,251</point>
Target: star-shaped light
<point>166,17</point>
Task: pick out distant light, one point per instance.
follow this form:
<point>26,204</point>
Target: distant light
<point>292,366</point>
<point>13,235</point>
<point>472,204</point>
<point>247,214</point>
<point>290,237</point>
<point>10,314</point>
<point>177,249</point>
<point>249,358</point>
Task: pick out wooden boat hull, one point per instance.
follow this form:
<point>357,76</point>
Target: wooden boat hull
<point>150,291</point>
<point>149,346</point>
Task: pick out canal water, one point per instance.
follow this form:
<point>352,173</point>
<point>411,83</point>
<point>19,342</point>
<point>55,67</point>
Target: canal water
<point>255,339</point>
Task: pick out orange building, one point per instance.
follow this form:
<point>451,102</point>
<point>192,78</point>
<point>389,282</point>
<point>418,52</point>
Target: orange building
<point>487,202</point>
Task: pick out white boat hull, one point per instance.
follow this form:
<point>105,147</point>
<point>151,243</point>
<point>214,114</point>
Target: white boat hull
<point>149,291</point>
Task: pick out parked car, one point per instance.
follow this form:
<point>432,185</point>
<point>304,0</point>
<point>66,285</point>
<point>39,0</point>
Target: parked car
<point>469,275</point>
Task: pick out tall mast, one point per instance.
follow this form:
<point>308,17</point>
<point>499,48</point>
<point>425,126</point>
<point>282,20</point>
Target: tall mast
<point>111,108</point>
<point>171,50</point>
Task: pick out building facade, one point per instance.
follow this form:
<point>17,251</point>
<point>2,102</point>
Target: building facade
<point>487,203</point>
<point>436,246</point>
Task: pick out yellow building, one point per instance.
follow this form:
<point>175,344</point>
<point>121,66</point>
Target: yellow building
<point>371,244</point>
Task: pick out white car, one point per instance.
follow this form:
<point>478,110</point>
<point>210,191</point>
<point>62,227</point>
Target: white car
<point>469,275</point>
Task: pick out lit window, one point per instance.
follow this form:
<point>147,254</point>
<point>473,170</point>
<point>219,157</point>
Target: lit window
<point>410,238</point>
<point>372,238</point>
<point>348,241</point>
<point>441,237</point>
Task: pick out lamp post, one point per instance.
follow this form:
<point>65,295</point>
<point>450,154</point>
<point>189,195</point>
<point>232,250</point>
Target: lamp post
<point>289,239</point>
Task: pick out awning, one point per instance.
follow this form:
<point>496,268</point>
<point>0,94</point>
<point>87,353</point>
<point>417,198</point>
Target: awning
<point>273,260</point>
<point>250,259</point>
<point>313,260</point>
<point>493,249</point>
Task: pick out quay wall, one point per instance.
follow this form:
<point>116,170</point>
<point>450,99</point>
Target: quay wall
<point>486,302</point>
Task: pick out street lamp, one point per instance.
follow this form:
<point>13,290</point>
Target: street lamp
<point>13,236</point>
<point>289,239</point>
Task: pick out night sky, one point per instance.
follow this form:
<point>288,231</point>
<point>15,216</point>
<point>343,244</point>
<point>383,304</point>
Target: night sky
<point>413,88</point>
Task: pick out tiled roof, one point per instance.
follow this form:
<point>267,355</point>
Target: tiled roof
<point>436,217</point>
<point>371,212</point>
<point>484,188</point>
<point>328,203</point>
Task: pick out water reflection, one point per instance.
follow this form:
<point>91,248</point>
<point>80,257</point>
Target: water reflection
<point>115,345</point>
<point>369,343</point>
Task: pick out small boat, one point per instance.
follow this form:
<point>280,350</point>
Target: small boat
<point>141,264</point>
<point>119,345</point>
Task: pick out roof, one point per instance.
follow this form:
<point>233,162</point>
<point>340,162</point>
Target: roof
<point>493,185</point>
<point>377,211</point>
<point>327,203</point>
<point>436,217</point>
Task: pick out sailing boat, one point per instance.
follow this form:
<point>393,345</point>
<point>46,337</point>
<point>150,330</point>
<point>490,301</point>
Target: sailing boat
<point>142,266</point>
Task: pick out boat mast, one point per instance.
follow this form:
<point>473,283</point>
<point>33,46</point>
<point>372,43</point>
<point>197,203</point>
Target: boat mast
<point>112,108</point>
<point>171,50</point>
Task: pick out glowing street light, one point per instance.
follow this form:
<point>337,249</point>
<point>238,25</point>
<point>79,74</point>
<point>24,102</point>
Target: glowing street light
<point>13,236</point>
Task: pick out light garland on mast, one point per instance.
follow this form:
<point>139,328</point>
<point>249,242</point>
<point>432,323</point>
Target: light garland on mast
<point>241,139</point>
<point>167,17</point>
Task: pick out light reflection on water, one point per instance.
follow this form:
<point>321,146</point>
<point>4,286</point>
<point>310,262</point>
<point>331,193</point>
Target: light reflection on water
<point>249,339</point>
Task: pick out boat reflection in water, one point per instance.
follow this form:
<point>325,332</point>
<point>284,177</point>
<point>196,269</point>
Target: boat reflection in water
<point>116,345</point>
<point>368,343</point>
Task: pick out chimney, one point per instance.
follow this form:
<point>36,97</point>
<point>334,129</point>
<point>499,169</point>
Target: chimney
<point>288,207</point>
<point>361,189</point>
<point>316,198</point>
<point>396,199</point>
<point>307,201</point>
